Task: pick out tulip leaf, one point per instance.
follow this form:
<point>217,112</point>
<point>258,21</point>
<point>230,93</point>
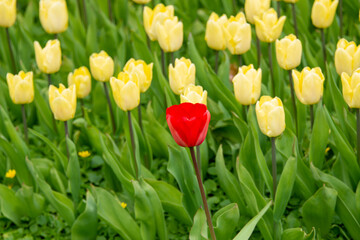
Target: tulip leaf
<point>73,172</point>
<point>199,230</point>
<point>33,203</point>
<point>226,220</point>
<point>10,206</point>
<point>297,234</point>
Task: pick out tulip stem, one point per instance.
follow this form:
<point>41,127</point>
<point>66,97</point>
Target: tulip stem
<point>311,116</point>
<point>323,46</point>
<point>172,59</point>
<point>234,6</point>
<point>133,145</point>
<point>163,62</point>
<point>203,197</point>
<point>271,69</point>
<point>216,61</point>
<point>82,10</point>
<point>49,79</point>
<point>293,102</point>
<point>274,171</point>
<point>294,19</point>
<point>24,123</point>
<point>12,58</point>
<point>258,50</point>
<point>110,11</point>
<point>244,107</point>
<point>148,42</point>
<point>110,107</point>
<point>278,8</point>
<point>358,133</point>
<point>82,107</point>
<point>341,17</point>
<point>198,157</point>
<point>66,137</point>
<point>140,118</point>
<point>240,60</point>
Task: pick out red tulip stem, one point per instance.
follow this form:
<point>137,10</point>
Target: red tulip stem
<point>207,212</point>
<point>110,108</point>
<point>358,133</point>
<point>216,61</point>
<point>294,19</point>
<point>258,48</point>
<point>274,170</point>
<point>271,69</point>
<point>278,8</point>
<point>198,158</point>
<point>12,58</point>
<point>133,145</point>
<point>66,137</point>
<point>24,123</point>
<point>341,17</point>
<point>312,116</point>
<point>293,101</point>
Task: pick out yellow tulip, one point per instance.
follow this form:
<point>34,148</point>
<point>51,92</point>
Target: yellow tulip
<point>194,94</point>
<point>82,79</point>
<point>181,75</point>
<point>152,17</point>
<point>347,57</point>
<point>101,66</point>
<point>63,102</point>
<point>255,8</point>
<point>268,27</point>
<point>143,70</point>
<point>141,1</point>
<point>214,35</point>
<point>48,58</point>
<point>21,87</point>
<point>247,85</point>
<point>238,34</point>
<point>126,90</point>
<point>53,16</point>
<point>323,12</point>
<point>170,34</point>
<point>288,52</point>
<point>7,13</point>
<point>351,88</point>
<point>270,116</point>
<point>308,85</point>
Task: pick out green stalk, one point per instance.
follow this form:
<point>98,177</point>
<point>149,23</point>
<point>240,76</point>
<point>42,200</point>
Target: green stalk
<point>133,145</point>
<point>358,133</point>
<point>258,48</point>
<point>110,107</point>
<point>12,58</point>
<point>294,19</point>
<point>66,137</point>
<point>274,170</point>
<point>216,61</point>
<point>271,69</point>
<point>293,101</point>
<point>24,123</point>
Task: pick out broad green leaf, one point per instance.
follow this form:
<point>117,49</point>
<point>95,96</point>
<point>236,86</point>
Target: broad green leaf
<point>297,234</point>
<point>11,207</point>
<point>73,172</point>
<point>226,221</point>
<point>34,203</point>
<point>199,230</point>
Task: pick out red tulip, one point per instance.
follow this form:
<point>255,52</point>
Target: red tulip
<point>188,123</point>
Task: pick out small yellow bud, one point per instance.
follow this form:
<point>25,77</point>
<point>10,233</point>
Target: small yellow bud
<point>21,87</point>
<point>126,90</point>
<point>214,35</point>
<point>62,102</point>
<point>101,66</point>
<point>11,173</point>
<point>7,13</point>
<point>48,58</point>
<point>170,34</point>
<point>53,16</point>
<point>181,75</point>
<point>351,88</point>
<point>152,17</point>
<point>247,85</point>
<point>238,34</point>
<point>123,204</point>
<point>194,94</point>
<point>143,70</point>
<point>288,52</point>
<point>255,8</point>
<point>323,13</point>
<point>84,154</point>
<point>347,57</point>
<point>268,27</point>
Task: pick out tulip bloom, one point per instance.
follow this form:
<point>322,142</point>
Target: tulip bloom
<point>170,34</point>
<point>347,57</point>
<point>194,94</point>
<point>288,52</point>
<point>53,16</point>
<point>82,79</point>
<point>21,87</point>
<point>270,116</point>
<point>48,58</point>
<point>126,90</point>
<point>7,13</point>
<point>268,27</point>
<point>181,75</point>
<point>152,17</point>
<point>62,102</point>
<point>238,34</point>
<point>309,85</point>
<point>323,12</point>
<point>214,35</point>
<point>144,72</point>
<point>188,123</point>
<point>351,88</point>
<point>101,66</point>
<point>255,8</point>
<point>247,85</point>
<point>141,1</point>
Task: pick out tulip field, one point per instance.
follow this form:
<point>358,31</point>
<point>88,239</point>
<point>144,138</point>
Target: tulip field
<point>180,119</point>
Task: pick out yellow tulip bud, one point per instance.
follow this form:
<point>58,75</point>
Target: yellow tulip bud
<point>247,85</point>
<point>181,75</point>
<point>238,34</point>
<point>270,116</point>
<point>53,16</point>
<point>323,12</point>
<point>143,70</point>
<point>48,58</point>
<point>347,57</point>
<point>152,17</point>
<point>63,102</point>
<point>214,35</point>
<point>170,34</point>
<point>21,87</point>
<point>7,13</point>
<point>308,85</point>
<point>268,27</point>
<point>351,88</point>
<point>194,94</point>
<point>126,90</point>
<point>82,79</point>
<point>255,8</point>
<point>288,52</point>
<point>101,66</point>
<point>141,1</point>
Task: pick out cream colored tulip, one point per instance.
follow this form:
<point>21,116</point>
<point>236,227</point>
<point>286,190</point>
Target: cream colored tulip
<point>141,1</point>
<point>268,27</point>
<point>255,8</point>
<point>82,79</point>
<point>247,85</point>
<point>143,70</point>
<point>308,85</point>
<point>53,16</point>
<point>270,116</point>
<point>48,58</point>
<point>101,66</point>
<point>63,102</point>
<point>323,13</point>
<point>238,34</point>
<point>181,75</point>
<point>7,13</point>
<point>347,57</point>
<point>152,17</point>
<point>126,90</point>
<point>214,35</point>
<point>288,52</point>
<point>170,34</point>
<point>351,88</point>
<point>194,94</point>
<point>21,87</point>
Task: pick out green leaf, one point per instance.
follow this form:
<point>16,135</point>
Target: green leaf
<point>226,221</point>
<point>73,172</point>
<point>34,203</point>
<point>11,207</point>
<point>297,234</point>
<point>199,230</point>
